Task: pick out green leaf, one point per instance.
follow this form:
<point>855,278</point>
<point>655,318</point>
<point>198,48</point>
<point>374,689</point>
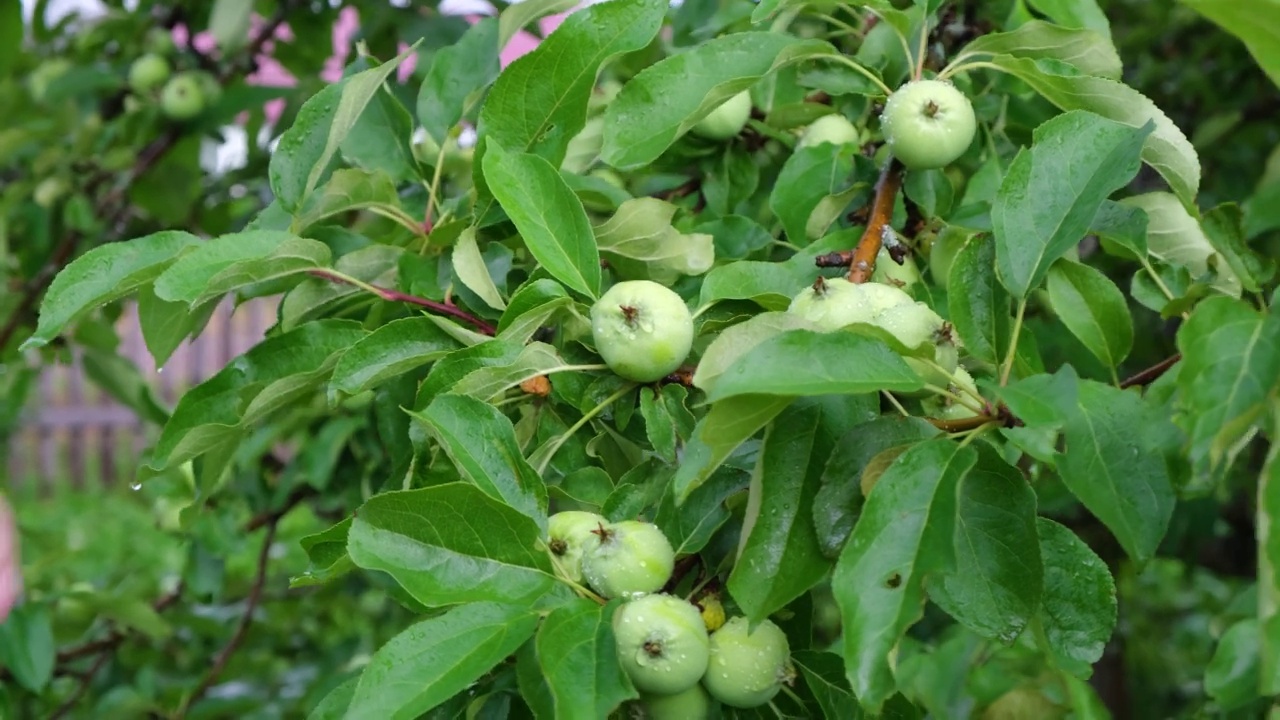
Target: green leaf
<point>772,285</point>
<point>347,190</point>
<point>123,380</point>
<point>306,150</point>
<point>1123,225</point>
<point>229,24</point>
<point>778,555</point>
<point>667,98</point>
<point>273,373</point>
<point>824,674</point>
<point>1268,513</point>
<point>579,659</point>
<point>1054,189</point>
<point>103,274</point>
<point>27,646</point>
<point>539,102</point>
<point>381,140</point>
<point>977,303</point>
<point>550,218</point>
<point>1078,608</point>
<point>839,500</point>
<point>1176,238</point>
<point>458,72</point>
<point>233,261</point>
<point>1230,373</point>
<point>1114,462</point>
<point>11,31</point>
<point>451,369</point>
<point>1255,22</point>
<point>691,525</point>
<point>451,544</point>
<point>335,703</point>
<point>471,269</point>
<point>327,553</point>
<point>737,340</point>
<point>640,242</point>
<point>931,191</point>
<point>1223,227</point>
<point>995,588</point>
<point>377,264</point>
<point>516,16</point>
<point>727,425</point>
<point>482,444</point>
<point>531,307</point>
<point>492,382</point>
<point>432,661</point>
<point>1090,52</point>
<point>1093,309</point>
<point>397,347</point>
<point>906,531</point>
<point>165,325</point>
<point>814,186</point>
<point>1075,14</point>
<point>835,363</point>
<point>1231,677</point>
<point>1166,149</point>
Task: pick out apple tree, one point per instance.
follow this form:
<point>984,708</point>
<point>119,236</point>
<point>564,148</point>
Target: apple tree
<point>728,359</point>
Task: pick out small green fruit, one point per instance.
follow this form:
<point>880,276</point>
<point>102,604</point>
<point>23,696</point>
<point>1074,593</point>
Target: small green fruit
<point>832,304</point>
<point>148,73</point>
<point>1023,703</point>
<point>662,644</point>
<point>834,129</point>
<point>628,558</point>
<point>727,120</point>
<point>642,330</point>
<point>692,704</point>
<point>48,191</point>
<point>182,97</point>
<point>928,124</point>
<point>160,41</point>
<point>569,532</point>
<point>943,251</point>
<point>889,272</point>
<point>747,669</point>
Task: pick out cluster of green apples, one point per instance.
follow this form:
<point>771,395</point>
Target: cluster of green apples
<point>183,95</point>
<point>663,642</point>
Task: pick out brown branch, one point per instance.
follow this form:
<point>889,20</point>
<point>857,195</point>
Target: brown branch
<point>864,255</point>
<point>962,424</point>
<point>441,308</point>
<point>242,629</point>
<point>82,688</point>
<point>1151,374</point>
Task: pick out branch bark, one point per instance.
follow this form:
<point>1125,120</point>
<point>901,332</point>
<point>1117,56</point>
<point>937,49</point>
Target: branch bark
<point>864,255</point>
<point>1151,374</point>
<point>396,296</point>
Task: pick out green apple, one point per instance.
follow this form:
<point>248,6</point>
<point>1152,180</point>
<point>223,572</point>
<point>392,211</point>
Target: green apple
<point>642,330</point>
<point>943,251</point>
<point>748,667</point>
<point>182,97</point>
<point>48,191</point>
<point>835,129</point>
<point>662,644</point>
<point>928,124</point>
<point>832,304</point>
<point>1023,703</point>
<point>692,704</point>
<point>160,41</point>
<point>627,558</point>
<point>568,533</point>
<point>889,272</point>
<point>148,73</point>
<point>727,120</point>
<point>913,323</point>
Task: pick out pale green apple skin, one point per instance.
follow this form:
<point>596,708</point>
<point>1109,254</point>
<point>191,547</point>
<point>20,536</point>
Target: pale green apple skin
<point>834,129</point>
<point>182,97</point>
<point>628,559</point>
<point>662,644</point>
<point>727,120</point>
<point>148,73</point>
<point>692,704</point>
<point>650,344</point>
<point>832,304</point>
<point>928,124</point>
<point>569,532</point>
<point>889,272</point>
<point>913,324</point>
<point>747,670</point>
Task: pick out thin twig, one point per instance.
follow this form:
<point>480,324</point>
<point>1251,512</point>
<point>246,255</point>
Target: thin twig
<point>82,688</point>
<point>1151,374</point>
<point>396,296</point>
<point>864,255</point>
<point>242,629</point>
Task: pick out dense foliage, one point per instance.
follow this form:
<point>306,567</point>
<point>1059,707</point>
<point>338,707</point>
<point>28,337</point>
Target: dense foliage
<point>734,359</point>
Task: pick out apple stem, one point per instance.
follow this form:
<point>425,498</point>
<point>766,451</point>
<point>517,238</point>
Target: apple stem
<point>931,109</point>
<point>864,255</point>
<point>629,313</point>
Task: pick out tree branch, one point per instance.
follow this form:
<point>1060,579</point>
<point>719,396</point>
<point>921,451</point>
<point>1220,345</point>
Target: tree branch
<point>1151,374</point>
<point>864,255</point>
<point>396,296</point>
<point>82,688</point>
<point>242,629</point>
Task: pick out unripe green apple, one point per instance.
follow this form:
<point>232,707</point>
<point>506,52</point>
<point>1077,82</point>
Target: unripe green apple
<point>832,304</point>
<point>182,97</point>
<point>210,86</point>
<point>662,644</point>
<point>642,330</point>
<point>913,323</point>
<point>942,253</point>
<point>160,41</point>
<point>727,120</point>
<point>627,559</point>
<point>928,124</point>
<point>48,191</point>
<point>747,669</point>
<point>1022,704</point>
<point>889,272</point>
<point>835,129</point>
<point>569,532</point>
<point>692,704</point>
<point>148,73</point>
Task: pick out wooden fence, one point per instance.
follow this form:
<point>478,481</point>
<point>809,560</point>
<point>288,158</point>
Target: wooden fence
<point>74,433</point>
